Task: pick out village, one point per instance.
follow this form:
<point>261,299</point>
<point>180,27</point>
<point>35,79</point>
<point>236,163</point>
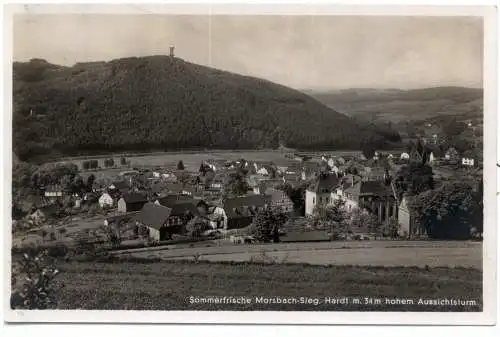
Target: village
<point>141,205</point>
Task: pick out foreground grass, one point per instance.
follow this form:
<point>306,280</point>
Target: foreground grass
<point>141,285</point>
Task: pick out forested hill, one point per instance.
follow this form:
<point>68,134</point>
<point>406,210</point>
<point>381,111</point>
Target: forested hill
<point>163,103</point>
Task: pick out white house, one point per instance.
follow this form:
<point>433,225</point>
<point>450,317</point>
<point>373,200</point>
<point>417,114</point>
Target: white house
<point>468,161</point>
<point>105,201</point>
<point>263,171</point>
<point>322,192</point>
<point>431,158</point>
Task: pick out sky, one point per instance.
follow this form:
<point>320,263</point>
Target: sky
<point>303,52</point>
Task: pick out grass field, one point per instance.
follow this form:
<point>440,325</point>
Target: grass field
<point>141,285</point>
<point>364,253</point>
<point>192,160</point>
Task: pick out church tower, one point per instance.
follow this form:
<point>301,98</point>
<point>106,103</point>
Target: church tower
<point>171,51</point>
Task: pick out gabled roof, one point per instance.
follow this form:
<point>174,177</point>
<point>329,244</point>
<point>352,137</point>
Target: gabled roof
<point>173,198</point>
<point>325,183</point>
<point>276,194</point>
<point>370,188</point>
<point>153,215</point>
<point>181,207</point>
<point>135,197</point>
<point>241,202</point>
<point>120,185</point>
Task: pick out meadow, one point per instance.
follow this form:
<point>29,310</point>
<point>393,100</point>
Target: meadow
<point>386,253</point>
<point>192,160</point>
<point>162,285</point>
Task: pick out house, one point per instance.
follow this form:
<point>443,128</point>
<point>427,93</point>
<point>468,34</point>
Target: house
<point>105,200</point>
<point>155,219</point>
<point>263,171</point>
<point>452,154</point>
<point>217,217</point>
<point>375,173</point>
<point>53,191</point>
<point>468,161</point>
<point>321,192</point>
<point>372,195</point>
<point>280,200</point>
<point>131,202</point>
<point>431,134</point>
<point>120,186</point>
<point>181,210</point>
<point>404,156</point>
<point>241,211</point>
<point>408,227</point>
<point>310,170</point>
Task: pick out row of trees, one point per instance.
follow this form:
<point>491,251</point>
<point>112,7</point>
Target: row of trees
<point>108,162</point>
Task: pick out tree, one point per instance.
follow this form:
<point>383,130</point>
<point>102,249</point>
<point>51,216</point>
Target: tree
<point>333,216</point>
<point>450,211</point>
<point>414,178</point>
<point>236,185</point>
<point>180,165</point>
<point>267,223</point>
<point>363,219</point>
<point>32,282</point>
<point>94,164</point>
<point>90,182</point>
<point>368,150</point>
<point>78,186</point>
<point>109,162</point>
<point>297,195</point>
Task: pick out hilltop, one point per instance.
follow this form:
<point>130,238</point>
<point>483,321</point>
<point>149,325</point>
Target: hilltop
<point>163,103</point>
<point>397,105</point>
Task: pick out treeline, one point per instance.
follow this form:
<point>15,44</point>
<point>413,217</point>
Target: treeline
<point>136,104</point>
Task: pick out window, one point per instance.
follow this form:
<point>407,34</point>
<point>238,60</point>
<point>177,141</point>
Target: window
<point>327,200</point>
<point>314,200</point>
<point>320,199</point>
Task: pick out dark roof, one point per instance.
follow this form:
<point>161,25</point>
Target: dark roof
<point>370,188</point>
<point>241,202</point>
<point>325,182</point>
<point>153,215</point>
<point>172,198</point>
<point>276,194</point>
<point>121,185</point>
<point>135,197</point>
<point>179,209</point>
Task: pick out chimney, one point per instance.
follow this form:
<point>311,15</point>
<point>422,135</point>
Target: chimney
<point>171,51</point>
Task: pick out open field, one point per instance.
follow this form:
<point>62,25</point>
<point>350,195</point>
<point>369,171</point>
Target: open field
<point>139,285</point>
<point>367,253</point>
<point>192,160</point>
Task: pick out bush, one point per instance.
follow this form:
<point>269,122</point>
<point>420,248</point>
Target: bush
<point>38,290</point>
<point>109,162</point>
<point>94,164</point>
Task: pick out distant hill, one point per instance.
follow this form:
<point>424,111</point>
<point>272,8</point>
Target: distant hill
<point>403,105</point>
<point>163,103</point>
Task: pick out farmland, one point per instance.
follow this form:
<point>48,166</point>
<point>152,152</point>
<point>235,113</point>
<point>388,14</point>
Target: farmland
<point>153,285</point>
<point>192,160</point>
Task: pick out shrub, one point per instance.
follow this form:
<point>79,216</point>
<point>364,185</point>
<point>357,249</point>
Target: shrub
<point>38,290</point>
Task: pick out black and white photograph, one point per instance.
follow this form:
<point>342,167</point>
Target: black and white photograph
<point>216,160</point>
